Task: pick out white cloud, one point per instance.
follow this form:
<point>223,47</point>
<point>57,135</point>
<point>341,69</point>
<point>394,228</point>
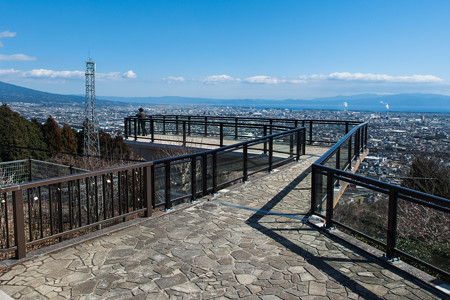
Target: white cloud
<point>171,79</point>
<point>383,77</point>
<point>345,76</point>
<point>273,80</point>
<point>7,34</point>
<point>16,57</point>
<point>215,79</point>
<point>129,74</point>
<point>8,71</point>
<point>45,73</point>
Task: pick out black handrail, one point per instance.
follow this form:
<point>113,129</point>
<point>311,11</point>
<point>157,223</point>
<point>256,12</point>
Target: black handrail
<point>356,141</point>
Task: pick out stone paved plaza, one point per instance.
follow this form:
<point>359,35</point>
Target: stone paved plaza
<point>248,242</point>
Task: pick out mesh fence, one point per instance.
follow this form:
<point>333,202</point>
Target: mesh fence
<point>20,171</point>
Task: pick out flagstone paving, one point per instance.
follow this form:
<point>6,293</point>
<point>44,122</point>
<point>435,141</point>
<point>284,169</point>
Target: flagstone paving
<point>248,242</point>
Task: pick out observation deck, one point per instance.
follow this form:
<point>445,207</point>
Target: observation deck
<point>239,219</point>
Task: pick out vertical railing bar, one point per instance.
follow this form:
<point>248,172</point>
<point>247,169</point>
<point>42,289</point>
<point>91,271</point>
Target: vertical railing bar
<point>135,129</point>
<point>313,188</point>
<point>392,223</point>
<point>168,203</point>
<point>153,185</point>
<point>214,172</point>
<point>97,207</point>
<point>60,212</point>
<point>41,221</point>
<point>105,214</point>
<point>310,132</point>
<point>88,204</point>
<point>6,220</point>
<point>111,175</point>
<point>206,126</point>
<point>193,178</point>
<point>330,199</point>
<point>69,190</point>
<point>189,125</point>
<point>221,134</point>
<point>245,162</point>
<point>265,141</point>
<point>236,128</point>
<point>19,224</point>
<point>184,133</point>
<point>291,145</point>
<point>126,193</point>
<point>147,182</point>
<point>270,154</point>
<point>30,233</point>
<point>50,204</point>
<point>80,219</point>
<point>152,129</point>
<point>133,194</point>
<point>205,174</point>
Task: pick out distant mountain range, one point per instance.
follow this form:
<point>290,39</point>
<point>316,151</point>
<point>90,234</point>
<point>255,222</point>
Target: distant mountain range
<point>366,102</point>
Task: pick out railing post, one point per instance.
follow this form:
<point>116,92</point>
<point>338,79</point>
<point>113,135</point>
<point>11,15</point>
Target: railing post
<point>214,171</point>
<point>135,129</point>
<point>221,134</point>
<point>291,145</point>
<point>168,203</point>
<point>152,129</point>
<point>184,133</point>
<point>30,169</point>
<point>296,123</point>
<point>19,224</point>
<point>270,123</point>
<point>313,188</point>
<point>148,191</point>
<point>392,223</point>
<point>236,128</point>
<point>349,153</point>
<point>193,178</point>
<point>270,154</point>
<point>298,148</point>
<point>126,128</point>
<point>189,125</point>
<point>245,154</point>
<point>346,127</point>
<point>304,141</point>
<point>164,125</point>
<point>177,132</point>
<point>330,196</point>
<point>206,126</point>
<point>152,181</point>
<point>205,174</point>
<point>365,135</point>
<point>265,134</point>
<point>310,132</point>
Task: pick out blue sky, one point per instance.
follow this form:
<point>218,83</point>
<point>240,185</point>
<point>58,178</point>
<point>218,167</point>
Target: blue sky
<point>228,49</point>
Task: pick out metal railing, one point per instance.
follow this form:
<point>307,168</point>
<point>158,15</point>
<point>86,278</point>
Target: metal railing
<point>39,212</point>
<point>26,170</point>
<point>237,128</point>
<point>404,222</point>
<point>188,176</point>
<point>47,211</point>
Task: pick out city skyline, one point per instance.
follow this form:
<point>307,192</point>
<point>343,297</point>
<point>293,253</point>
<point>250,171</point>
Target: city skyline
<point>228,49</point>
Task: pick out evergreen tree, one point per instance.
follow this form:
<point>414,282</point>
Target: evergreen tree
<point>52,136</point>
<point>17,131</point>
<point>69,141</point>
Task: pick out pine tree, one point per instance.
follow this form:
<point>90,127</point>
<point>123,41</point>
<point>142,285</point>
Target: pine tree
<point>52,136</point>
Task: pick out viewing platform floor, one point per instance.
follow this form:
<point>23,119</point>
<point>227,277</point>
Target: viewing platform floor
<point>249,241</point>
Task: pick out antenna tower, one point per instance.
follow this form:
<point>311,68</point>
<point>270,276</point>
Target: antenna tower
<point>91,125</point>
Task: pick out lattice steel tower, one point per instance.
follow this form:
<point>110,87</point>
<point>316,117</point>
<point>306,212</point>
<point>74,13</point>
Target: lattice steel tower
<point>91,125</point>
